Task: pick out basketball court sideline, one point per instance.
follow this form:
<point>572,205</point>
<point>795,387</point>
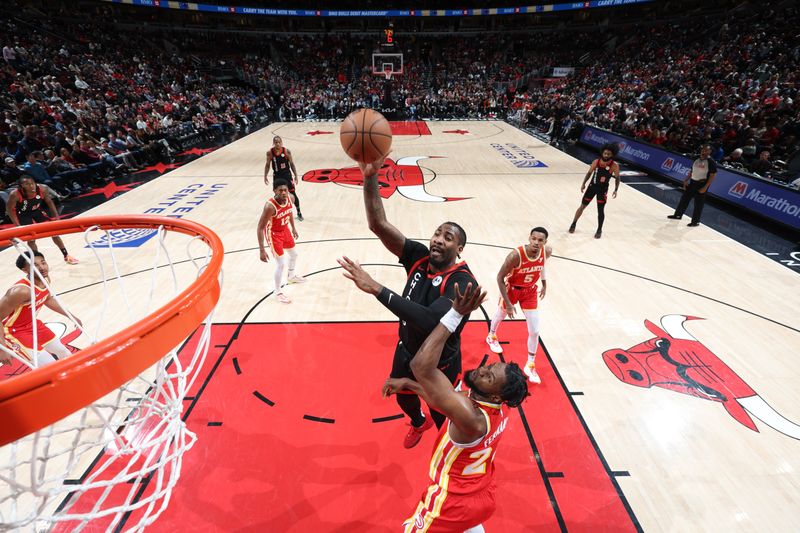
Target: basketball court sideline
<point>616,437</point>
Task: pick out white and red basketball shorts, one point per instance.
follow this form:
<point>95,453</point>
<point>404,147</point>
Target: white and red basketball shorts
<point>280,241</point>
<point>527,297</point>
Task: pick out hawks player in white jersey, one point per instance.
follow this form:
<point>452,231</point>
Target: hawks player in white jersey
<point>517,280</point>
<point>461,494</point>
<point>277,225</point>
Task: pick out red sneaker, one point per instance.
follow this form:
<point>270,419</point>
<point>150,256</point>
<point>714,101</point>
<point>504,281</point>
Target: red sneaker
<point>415,434</point>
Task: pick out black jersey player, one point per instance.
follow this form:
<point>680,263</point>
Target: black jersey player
<point>600,174</point>
<point>279,159</point>
<point>433,271</point>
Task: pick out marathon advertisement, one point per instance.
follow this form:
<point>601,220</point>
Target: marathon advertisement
<point>771,201</point>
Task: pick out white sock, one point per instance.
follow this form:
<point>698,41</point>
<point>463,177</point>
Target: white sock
<point>44,358</point>
<point>532,318</point>
<point>499,316</point>
<point>292,261</point>
<point>476,529</point>
<point>56,348</point>
<point>280,262</point>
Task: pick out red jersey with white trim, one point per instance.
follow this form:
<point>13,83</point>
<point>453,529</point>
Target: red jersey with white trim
<point>22,315</point>
<point>279,223</point>
<point>529,270</point>
<point>465,469</point>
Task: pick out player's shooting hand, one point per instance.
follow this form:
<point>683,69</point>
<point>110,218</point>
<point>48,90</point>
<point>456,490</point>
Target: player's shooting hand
<point>371,169</point>
<point>393,386</point>
<point>263,256</point>
<point>354,271</point>
<point>469,300</point>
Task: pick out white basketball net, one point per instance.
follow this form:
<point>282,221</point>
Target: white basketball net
<point>114,463</point>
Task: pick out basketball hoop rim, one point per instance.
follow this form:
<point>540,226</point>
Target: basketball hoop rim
<point>36,399</point>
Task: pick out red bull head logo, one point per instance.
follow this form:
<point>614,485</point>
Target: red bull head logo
<point>676,361</point>
<point>404,176</point>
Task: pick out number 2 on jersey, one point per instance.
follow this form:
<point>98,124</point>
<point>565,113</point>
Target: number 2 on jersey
<point>479,466</point>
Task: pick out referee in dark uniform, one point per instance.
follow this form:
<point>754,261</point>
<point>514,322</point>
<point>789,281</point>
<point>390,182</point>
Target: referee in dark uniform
<point>432,272</point>
<point>696,184</point>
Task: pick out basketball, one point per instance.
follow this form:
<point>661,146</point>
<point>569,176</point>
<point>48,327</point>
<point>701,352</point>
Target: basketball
<point>365,135</point>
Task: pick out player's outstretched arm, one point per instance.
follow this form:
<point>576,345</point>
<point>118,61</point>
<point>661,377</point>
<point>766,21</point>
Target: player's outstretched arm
<point>439,392</point>
<point>53,304</point>
<point>389,235</point>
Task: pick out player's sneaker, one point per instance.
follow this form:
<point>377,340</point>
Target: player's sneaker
<point>494,344</point>
<point>415,434</point>
<point>297,278</point>
<point>300,218</point>
<point>282,298</point>
<point>572,228</point>
<point>598,234</point>
<point>70,260</point>
<point>530,371</point>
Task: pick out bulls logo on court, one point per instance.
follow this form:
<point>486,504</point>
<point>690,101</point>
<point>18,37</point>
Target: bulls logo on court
<point>676,361</point>
<point>404,176</point>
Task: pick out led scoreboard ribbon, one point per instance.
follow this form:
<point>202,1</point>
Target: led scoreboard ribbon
<point>240,10</point>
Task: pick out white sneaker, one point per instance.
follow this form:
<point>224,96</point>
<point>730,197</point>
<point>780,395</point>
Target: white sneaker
<point>282,298</point>
<point>494,344</point>
<point>530,371</point>
<point>297,278</point>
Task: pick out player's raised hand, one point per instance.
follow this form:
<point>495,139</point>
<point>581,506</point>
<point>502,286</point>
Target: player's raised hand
<point>469,300</point>
<point>371,169</point>
<point>354,271</point>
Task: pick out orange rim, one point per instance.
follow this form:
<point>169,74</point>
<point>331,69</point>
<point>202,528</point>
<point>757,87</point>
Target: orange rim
<point>36,399</point>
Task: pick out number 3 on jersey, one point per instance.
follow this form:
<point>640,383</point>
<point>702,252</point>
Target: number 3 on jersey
<point>479,466</point>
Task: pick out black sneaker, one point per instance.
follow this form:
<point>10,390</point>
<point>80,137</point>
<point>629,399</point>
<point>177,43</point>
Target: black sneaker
<point>674,217</point>
<point>598,234</point>
<point>299,217</point>
<point>572,228</point>
<point>693,224</point>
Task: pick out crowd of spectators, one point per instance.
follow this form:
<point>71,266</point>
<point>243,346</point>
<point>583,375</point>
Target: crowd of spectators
<point>731,83</point>
<point>79,109</point>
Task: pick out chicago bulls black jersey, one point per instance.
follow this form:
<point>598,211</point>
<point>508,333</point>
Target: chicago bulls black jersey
<point>603,172</point>
<point>424,288</point>
<point>280,165</point>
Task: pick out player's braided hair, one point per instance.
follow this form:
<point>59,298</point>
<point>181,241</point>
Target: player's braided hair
<point>516,388</point>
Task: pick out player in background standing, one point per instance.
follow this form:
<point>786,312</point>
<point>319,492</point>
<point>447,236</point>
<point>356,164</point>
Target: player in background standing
<point>600,172</point>
<point>461,495</point>
<point>20,316</point>
<point>517,279</point>
<point>25,207</point>
<point>279,158</point>
<point>277,225</point>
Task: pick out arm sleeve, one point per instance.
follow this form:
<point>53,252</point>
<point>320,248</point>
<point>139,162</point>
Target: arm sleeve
<point>420,316</point>
<point>412,252</point>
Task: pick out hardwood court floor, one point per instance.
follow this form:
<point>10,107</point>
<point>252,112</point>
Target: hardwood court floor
<point>667,420</point>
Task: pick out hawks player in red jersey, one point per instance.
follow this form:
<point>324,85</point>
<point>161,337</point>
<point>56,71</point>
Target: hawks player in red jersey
<point>460,496</point>
<point>19,314</point>
<point>517,280</point>
<point>600,172</point>
<point>277,225</point>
